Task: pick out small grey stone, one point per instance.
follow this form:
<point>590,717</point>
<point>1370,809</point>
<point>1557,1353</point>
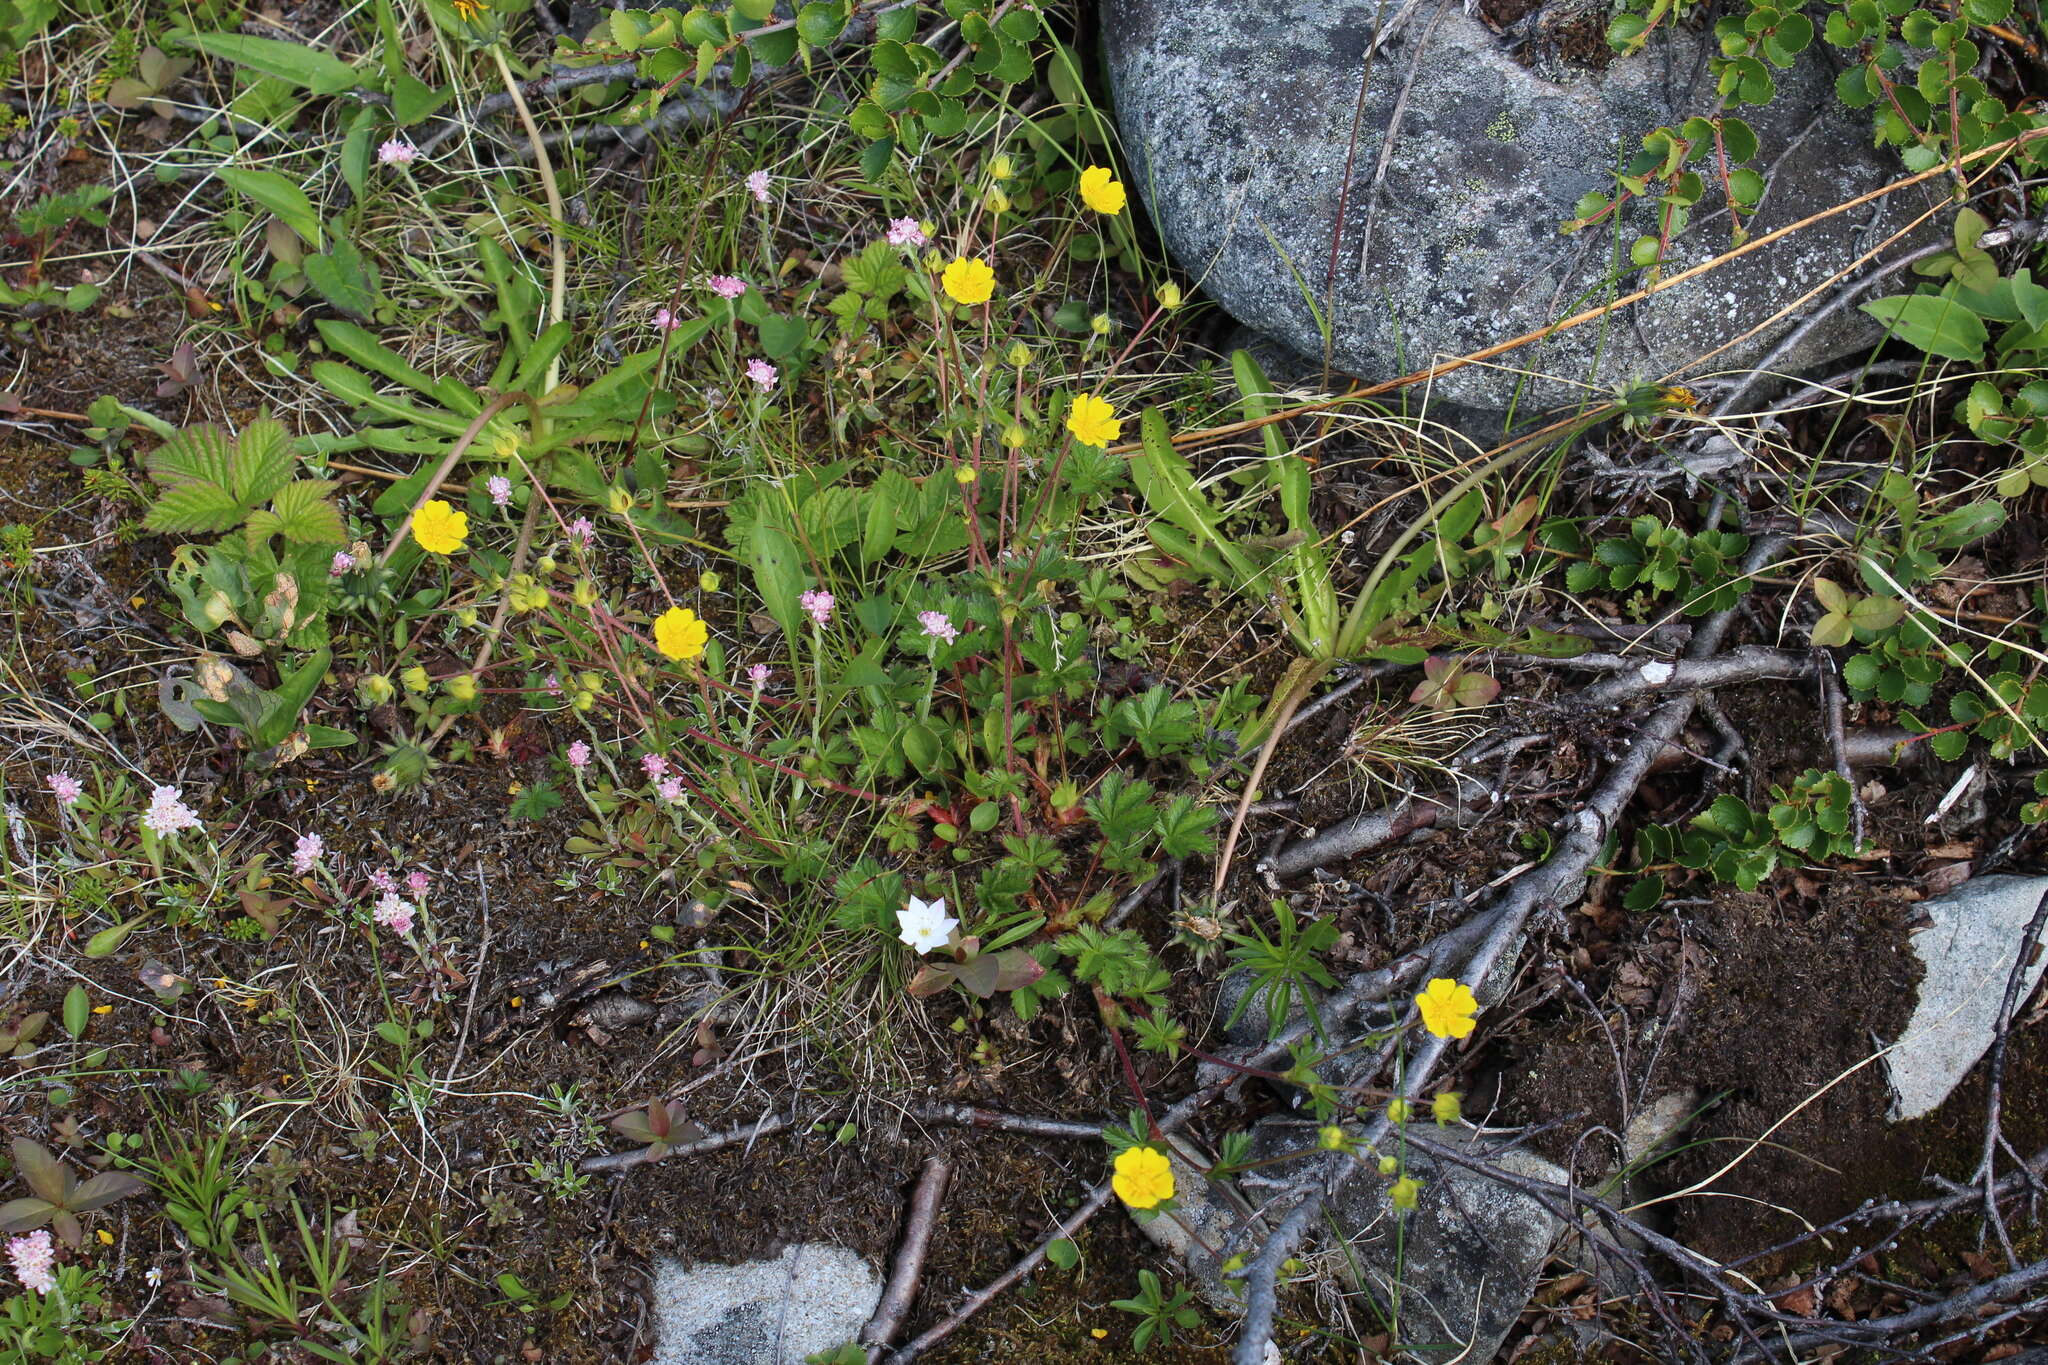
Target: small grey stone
<point>811,1298</point>
<point>1239,122</point>
<point>1968,949</point>
<point>1470,1255</point>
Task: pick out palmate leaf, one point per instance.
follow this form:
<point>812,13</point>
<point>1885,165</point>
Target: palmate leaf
<point>213,481</point>
<point>302,514</point>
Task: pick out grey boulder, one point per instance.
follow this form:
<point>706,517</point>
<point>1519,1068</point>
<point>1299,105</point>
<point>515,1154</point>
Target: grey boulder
<point>1237,121</point>
<point>811,1298</point>
<point>1968,946</point>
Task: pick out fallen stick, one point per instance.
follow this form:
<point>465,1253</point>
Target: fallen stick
<point>980,1299</point>
<point>887,1322</point>
<point>641,1156</point>
<point>969,1116</point>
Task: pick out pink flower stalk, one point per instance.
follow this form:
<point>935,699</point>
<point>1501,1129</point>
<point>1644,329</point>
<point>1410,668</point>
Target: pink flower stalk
<point>937,627</point>
<point>906,232</point>
<point>728,286</point>
<point>306,853</point>
<point>342,562</point>
<point>758,676</point>
<point>500,489</point>
<point>397,152</point>
<point>393,913</point>
<point>665,321</point>
<point>582,532</point>
<point>671,790</point>
<point>417,882</point>
<point>757,185</point>
<point>819,604</point>
<point>762,373</point>
<point>35,1260</point>
<point>654,764</point>
<point>168,813</point>
<point>579,755</point>
<point>66,788</point>
<point>552,684</point>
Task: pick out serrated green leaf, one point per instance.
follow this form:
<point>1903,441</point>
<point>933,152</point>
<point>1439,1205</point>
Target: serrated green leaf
<point>305,515</point>
<point>263,461</point>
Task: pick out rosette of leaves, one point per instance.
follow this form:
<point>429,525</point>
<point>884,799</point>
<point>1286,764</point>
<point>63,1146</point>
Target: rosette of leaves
<point>57,1196</point>
<point>658,1127</point>
<point>268,718</point>
<point>982,969</point>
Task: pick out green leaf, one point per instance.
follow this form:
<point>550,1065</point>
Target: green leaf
<point>309,68</point>
<point>874,161</point>
<point>282,197</point>
<point>263,461</point>
<point>107,940</point>
<point>343,278</point>
<point>778,574</point>
<point>77,1010</point>
<point>302,514</point>
<point>760,11</point>
<point>818,23</point>
<point>1934,323</point>
<point>412,99</point>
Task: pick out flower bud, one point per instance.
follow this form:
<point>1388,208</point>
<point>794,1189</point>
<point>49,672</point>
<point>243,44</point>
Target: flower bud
<point>997,201</point>
<point>1100,324</point>
<point>1019,355</point>
<point>708,581</point>
<point>1389,1165</point>
<point>1446,1108</point>
<point>1169,296</point>
<point>466,618</point>
<point>1405,1192</point>
<point>1014,436</point>
<point>590,682</point>
<point>414,678</point>
<point>583,701</point>
<point>585,593</point>
<point>620,500</point>
<point>1331,1138</point>
<point>545,566</point>
<point>1399,1110</point>
<point>964,475</point>
<point>461,687</point>
<point>1001,168</point>
<point>375,689</point>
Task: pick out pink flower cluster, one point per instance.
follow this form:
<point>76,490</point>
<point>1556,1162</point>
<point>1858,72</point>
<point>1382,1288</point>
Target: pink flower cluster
<point>906,232</point>
<point>579,755</point>
<point>35,1260</point>
<point>394,913</point>
<point>306,853</point>
<point>938,627</point>
<point>819,604</point>
<point>168,813</point>
<point>66,788</point>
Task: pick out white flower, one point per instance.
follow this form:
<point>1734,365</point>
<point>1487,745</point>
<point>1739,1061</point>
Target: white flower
<point>155,1276</point>
<point>925,925</point>
<point>168,813</point>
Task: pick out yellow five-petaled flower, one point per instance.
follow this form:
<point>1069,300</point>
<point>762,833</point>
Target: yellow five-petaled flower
<point>679,634</point>
<point>1093,421</point>
<point>1102,191</point>
<point>439,528</point>
<point>1143,1177</point>
<point>969,281</point>
<point>1447,1008</point>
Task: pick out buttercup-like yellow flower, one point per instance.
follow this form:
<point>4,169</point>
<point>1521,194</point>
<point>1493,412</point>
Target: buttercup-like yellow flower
<point>969,281</point>
<point>1093,421</point>
<point>1447,1008</point>
<point>1102,191</point>
<point>439,528</point>
<point>679,634</point>
<point>1143,1177</point>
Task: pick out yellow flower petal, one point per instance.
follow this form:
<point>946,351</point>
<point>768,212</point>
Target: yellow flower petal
<point>679,634</point>
<point>1143,1177</point>
<point>969,281</point>
<point>1102,191</point>
<point>1447,1008</point>
<point>1093,421</point>
<point>439,528</point>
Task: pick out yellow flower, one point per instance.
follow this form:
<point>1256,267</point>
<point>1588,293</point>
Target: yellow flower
<point>1447,1008</point>
<point>1447,1108</point>
<point>439,528</point>
<point>1102,191</point>
<point>468,10</point>
<point>1406,1192</point>
<point>969,281</point>
<point>679,634</point>
<point>1143,1178</point>
<point>1093,421</point>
